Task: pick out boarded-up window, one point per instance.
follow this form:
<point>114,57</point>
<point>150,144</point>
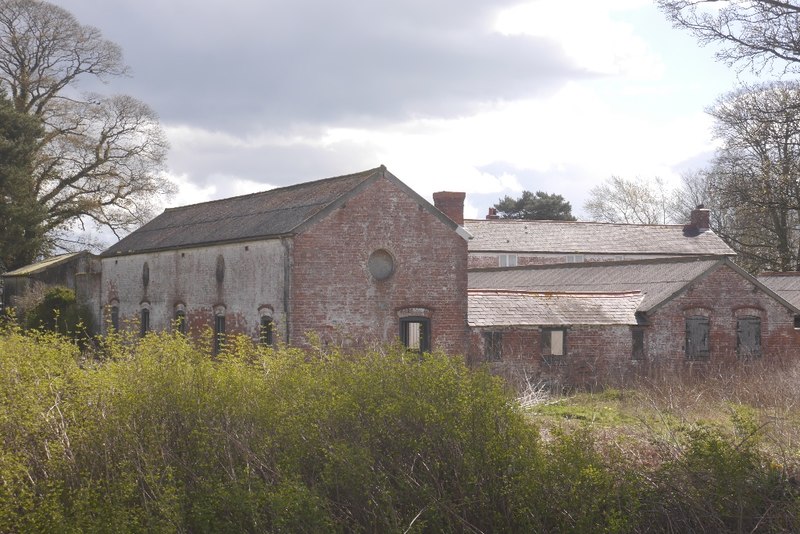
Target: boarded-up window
<point>748,337</point>
<point>493,346</point>
<point>415,333</point>
<point>554,342</point>
<point>697,342</point>
<point>638,343</point>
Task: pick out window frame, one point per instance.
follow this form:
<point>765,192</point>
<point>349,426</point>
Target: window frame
<point>424,333</point>
<point>180,321</point>
<point>266,331</point>
<point>219,332</point>
<point>510,260</point>
<point>144,321</point>
<point>746,352</point>
<point>702,353</point>
<point>638,345</point>
<point>546,344</point>
<point>493,346</point>
<point>114,317</point>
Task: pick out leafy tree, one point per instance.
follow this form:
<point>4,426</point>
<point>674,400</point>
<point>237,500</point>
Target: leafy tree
<point>621,200</point>
<point>100,158</point>
<point>755,175</point>
<point>754,34</point>
<point>540,206</point>
<point>21,216</point>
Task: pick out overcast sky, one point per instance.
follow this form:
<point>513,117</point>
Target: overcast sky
<point>490,97</point>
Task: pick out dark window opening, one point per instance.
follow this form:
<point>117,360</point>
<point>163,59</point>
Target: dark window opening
<point>115,318</point>
<point>266,336</point>
<point>219,332</point>
<point>637,352</point>
<point>797,321</point>
<point>144,322</point>
<point>493,346</point>
<point>180,321</point>
<point>697,342</point>
<point>748,337</point>
<point>415,334</point>
<point>554,344</point>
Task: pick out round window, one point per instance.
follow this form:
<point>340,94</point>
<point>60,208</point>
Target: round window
<point>380,265</point>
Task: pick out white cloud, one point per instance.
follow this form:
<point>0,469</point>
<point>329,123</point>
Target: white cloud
<point>588,34</point>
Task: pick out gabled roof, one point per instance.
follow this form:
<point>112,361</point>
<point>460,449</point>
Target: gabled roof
<point>575,237</point>
<point>43,265</point>
<point>269,214</point>
<point>659,280</point>
<point>787,285</point>
<point>499,308</point>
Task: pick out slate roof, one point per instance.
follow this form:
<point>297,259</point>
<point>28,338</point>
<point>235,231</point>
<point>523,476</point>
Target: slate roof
<point>516,236</point>
<point>787,285</point>
<point>657,279</point>
<point>274,213</point>
<point>497,308</point>
<point>40,266</point>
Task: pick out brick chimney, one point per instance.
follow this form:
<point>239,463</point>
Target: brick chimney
<point>699,222</point>
<point>492,214</point>
<point>451,204</point>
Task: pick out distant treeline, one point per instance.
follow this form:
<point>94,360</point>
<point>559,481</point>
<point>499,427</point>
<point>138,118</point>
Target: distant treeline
<point>156,435</point>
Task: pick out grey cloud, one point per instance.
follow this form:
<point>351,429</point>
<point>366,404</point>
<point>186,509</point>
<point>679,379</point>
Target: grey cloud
<point>241,65</point>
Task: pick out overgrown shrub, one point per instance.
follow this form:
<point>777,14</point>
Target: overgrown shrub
<point>59,311</point>
<point>158,436</point>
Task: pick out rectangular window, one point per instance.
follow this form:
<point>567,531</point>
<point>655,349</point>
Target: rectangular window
<point>415,334</point>
<point>266,331</point>
<point>493,346</point>
<point>144,322</point>
<point>697,342</point>
<point>748,337</point>
<point>637,335</point>
<point>554,344</point>
<point>507,260</point>
<point>575,258</point>
<point>219,332</point>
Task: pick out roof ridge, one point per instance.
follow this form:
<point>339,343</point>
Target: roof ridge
<point>615,294</point>
<point>556,221</point>
<point>367,173</point>
<point>588,264</point>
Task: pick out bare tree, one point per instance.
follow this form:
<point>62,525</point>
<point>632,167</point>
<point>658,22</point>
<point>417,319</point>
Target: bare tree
<point>621,200</point>
<point>101,158</point>
<point>755,175</point>
<point>754,34</point>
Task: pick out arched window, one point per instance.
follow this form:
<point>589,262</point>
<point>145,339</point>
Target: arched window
<point>114,312</point>
<point>144,322</point>
<point>219,329</point>
<point>180,321</point>
<point>266,336</point>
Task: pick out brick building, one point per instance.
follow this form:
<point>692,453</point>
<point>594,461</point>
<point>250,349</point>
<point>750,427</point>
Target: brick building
<point>362,258</point>
<point>603,322</point>
<point>353,259</point>
<point>512,242</point>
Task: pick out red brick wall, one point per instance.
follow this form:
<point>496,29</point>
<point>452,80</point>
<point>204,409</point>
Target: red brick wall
<point>598,355</point>
<point>723,295</point>
<point>595,355</point>
<point>333,294</point>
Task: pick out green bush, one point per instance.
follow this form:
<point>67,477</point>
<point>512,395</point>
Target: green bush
<point>158,436</point>
<point>59,311</point>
